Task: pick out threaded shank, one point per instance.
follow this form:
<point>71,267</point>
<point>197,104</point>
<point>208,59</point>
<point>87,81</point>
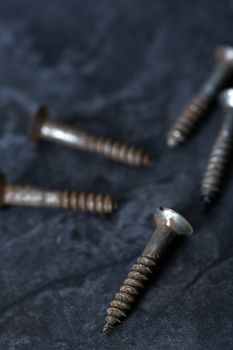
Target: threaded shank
<point>130,290</point>
<point>188,121</point>
<point>94,203</point>
<point>117,151</point>
<point>216,168</point>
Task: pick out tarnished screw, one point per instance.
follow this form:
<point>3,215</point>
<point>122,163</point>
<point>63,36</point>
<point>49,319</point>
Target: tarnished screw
<point>45,128</point>
<point>197,109</point>
<point>169,224</point>
<point>28,196</point>
<point>220,154</point>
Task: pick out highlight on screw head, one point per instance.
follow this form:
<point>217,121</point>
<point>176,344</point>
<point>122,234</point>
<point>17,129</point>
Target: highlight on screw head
<point>224,54</point>
<point>41,116</point>
<point>226,98</point>
<point>174,220</point>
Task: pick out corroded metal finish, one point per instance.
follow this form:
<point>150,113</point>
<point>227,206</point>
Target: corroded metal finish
<point>220,155</point>
<point>168,225</point>
<point>28,196</point>
<point>47,129</point>
<point>198,108</point>
<point>187,121</point>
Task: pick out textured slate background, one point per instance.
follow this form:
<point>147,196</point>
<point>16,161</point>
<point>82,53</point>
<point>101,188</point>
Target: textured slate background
<point>123,68</point>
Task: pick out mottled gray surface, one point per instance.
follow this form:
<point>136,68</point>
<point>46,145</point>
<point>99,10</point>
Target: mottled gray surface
<point>124,68</point>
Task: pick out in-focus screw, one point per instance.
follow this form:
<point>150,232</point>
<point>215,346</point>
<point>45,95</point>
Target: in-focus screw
<point>11,194</point>
<point>168,225</point>
<point>199,106</point>
<point>220,155</point>
<point>47,129</point>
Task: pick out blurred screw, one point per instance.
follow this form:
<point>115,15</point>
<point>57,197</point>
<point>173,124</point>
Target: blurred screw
<point>197,109</point>
<point>169,224</point>
<point>45,128</point>
<point>220,155</point>
<point>33,197</point>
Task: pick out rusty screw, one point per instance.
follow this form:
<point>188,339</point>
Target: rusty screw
<point>169,224</point>
<point>27,196</point>
<point>197,109</point>
<point>45,128</point>
<point>220,154</point>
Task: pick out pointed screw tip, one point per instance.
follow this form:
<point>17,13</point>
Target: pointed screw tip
<point>173,142</point>
<point>147,160</point>
<point>106,328</point>
<point>207,202</point>
<point>175,138</point>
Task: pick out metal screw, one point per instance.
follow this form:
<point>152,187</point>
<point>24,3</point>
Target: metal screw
<point>220,154</point>
<point>169,224</point>
<point>45,128</point>
<point>197,109</point>
<point>28,196</point>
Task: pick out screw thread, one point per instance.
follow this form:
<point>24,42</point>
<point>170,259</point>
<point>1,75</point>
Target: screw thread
<point>132,287</point>
<point>91,202</point>
<point>188,121</point>
<point>214,175</point>
<point>117,151</point>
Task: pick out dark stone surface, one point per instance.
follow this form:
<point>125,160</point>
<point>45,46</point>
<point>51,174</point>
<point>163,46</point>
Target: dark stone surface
<point>122,68</point>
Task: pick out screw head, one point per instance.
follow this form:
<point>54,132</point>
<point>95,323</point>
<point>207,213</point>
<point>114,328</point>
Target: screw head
<point>40,117</point>
<point>226,98</point>
<point>173,220</point>
<point>224,55</point>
